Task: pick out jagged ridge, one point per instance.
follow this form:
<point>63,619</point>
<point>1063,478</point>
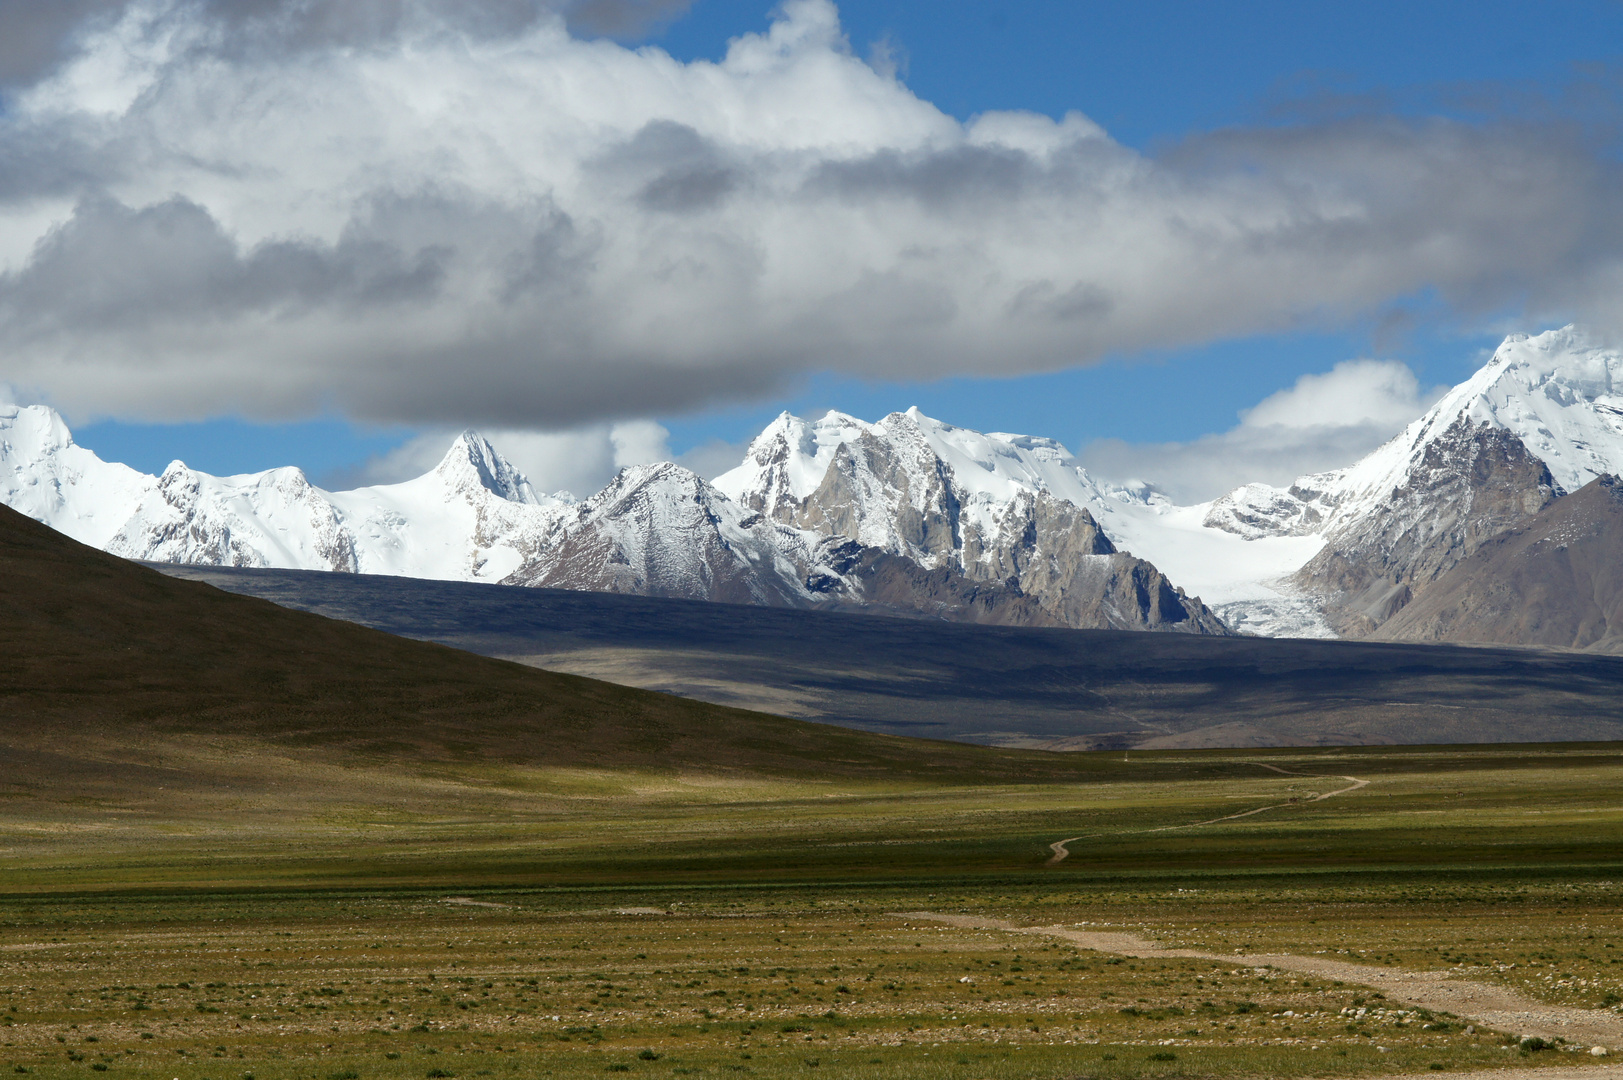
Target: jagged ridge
<point>656,530</point>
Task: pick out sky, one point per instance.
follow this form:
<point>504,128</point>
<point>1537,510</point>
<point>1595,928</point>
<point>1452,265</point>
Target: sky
<point>1199,243</point>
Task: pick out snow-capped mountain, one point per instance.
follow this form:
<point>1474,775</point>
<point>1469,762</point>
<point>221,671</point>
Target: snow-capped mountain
<point>906,514</point>
<point>656,530</point>
<point>1540,420</point>
<point>993,507</point>
<point>45,475</point>
<point>473,517</point>
<point>661,530</point>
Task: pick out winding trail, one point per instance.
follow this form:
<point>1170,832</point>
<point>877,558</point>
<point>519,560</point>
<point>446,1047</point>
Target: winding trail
<point>1488,1004</point>
<point>1062,852</point>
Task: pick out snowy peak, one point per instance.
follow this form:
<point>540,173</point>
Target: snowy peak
<point>662,530</point>
<point>472,462</point>
<point>1541,419</point>
<point>1555,393</point>
<point>787,461</point>
<point>791,460</point>
<point>663,490</point>
<point>46,475</point>
<point>1006,510</point>
<point>1558,393</point>
<point>473,517</point>
<point>273,518</point>
<point>32,432</point>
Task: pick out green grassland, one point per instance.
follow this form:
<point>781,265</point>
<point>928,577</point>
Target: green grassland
<point>239,842</point>
<point>677,924</point>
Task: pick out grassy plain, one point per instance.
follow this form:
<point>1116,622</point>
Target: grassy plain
<point>239,842</point>
<point>478,920</point>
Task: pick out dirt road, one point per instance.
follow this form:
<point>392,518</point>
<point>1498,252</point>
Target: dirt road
<point>1062,852</point>
<point>1492,1006</point>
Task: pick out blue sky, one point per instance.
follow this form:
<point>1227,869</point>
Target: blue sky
<point>1152,74</point>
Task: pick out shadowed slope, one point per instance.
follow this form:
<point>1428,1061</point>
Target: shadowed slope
<point>1557,580</point>
<point>106,660</point>
<point>1053,688</point>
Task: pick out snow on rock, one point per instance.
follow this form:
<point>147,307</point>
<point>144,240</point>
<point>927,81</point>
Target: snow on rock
<point>1558,393</point>
<point>273,518</point>
<point>474,517</point>
<point>1541,419</point>
<point>45,475</point>
<point>993,507</point>
<point>906,513</point>
<point>661,530</point>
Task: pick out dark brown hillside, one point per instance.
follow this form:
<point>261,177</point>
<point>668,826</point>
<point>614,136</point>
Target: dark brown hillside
<point>1557,580</point>
<point>102,656</point>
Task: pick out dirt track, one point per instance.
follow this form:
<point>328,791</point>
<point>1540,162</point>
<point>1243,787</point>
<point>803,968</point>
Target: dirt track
<point>1061,852</point>
<point>1552,1072</point>
<point>1492,1006</point>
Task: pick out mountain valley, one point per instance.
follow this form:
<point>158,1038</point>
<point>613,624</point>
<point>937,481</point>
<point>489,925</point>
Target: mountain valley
<point>1036,687</point>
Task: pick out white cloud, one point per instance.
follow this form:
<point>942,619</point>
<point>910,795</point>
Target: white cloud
<point>1384,393</point>
<point>489,221</point>
<point>711,459</point>
<point>639,442</point>
<point>1321,422</point>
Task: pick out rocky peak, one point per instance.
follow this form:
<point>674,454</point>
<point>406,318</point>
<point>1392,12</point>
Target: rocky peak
<point>473,463</point>
<point>1466,485</point>
<point>1556,580</point>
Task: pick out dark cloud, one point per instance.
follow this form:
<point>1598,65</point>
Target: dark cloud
<point>111,268</point>
<point>300,25</point>
<point>624,19</point>
<point>533,229</point>
<point>65,158</point>
<point>685,189</point>
<point>37,35</point>
<point>671,167</point>
<point>961,176</point>
<point>1084,300</point>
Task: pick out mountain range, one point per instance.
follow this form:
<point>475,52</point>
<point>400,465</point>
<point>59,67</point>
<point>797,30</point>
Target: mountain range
<point>910,515</point>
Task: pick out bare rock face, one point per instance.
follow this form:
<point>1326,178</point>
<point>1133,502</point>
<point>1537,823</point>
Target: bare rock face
<point>1035,539</point>
<point>1557,579</point>
<point>886,583</point>
<point>892,493</point>
<point>660,530</point>
<point>1008,557</point>
<point>1119,592</point>
<point>1470,484</point>
<point>1107,592</point>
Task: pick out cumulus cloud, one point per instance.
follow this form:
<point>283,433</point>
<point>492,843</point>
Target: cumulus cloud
<point>440,213</point>
<point>1322,422</point>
